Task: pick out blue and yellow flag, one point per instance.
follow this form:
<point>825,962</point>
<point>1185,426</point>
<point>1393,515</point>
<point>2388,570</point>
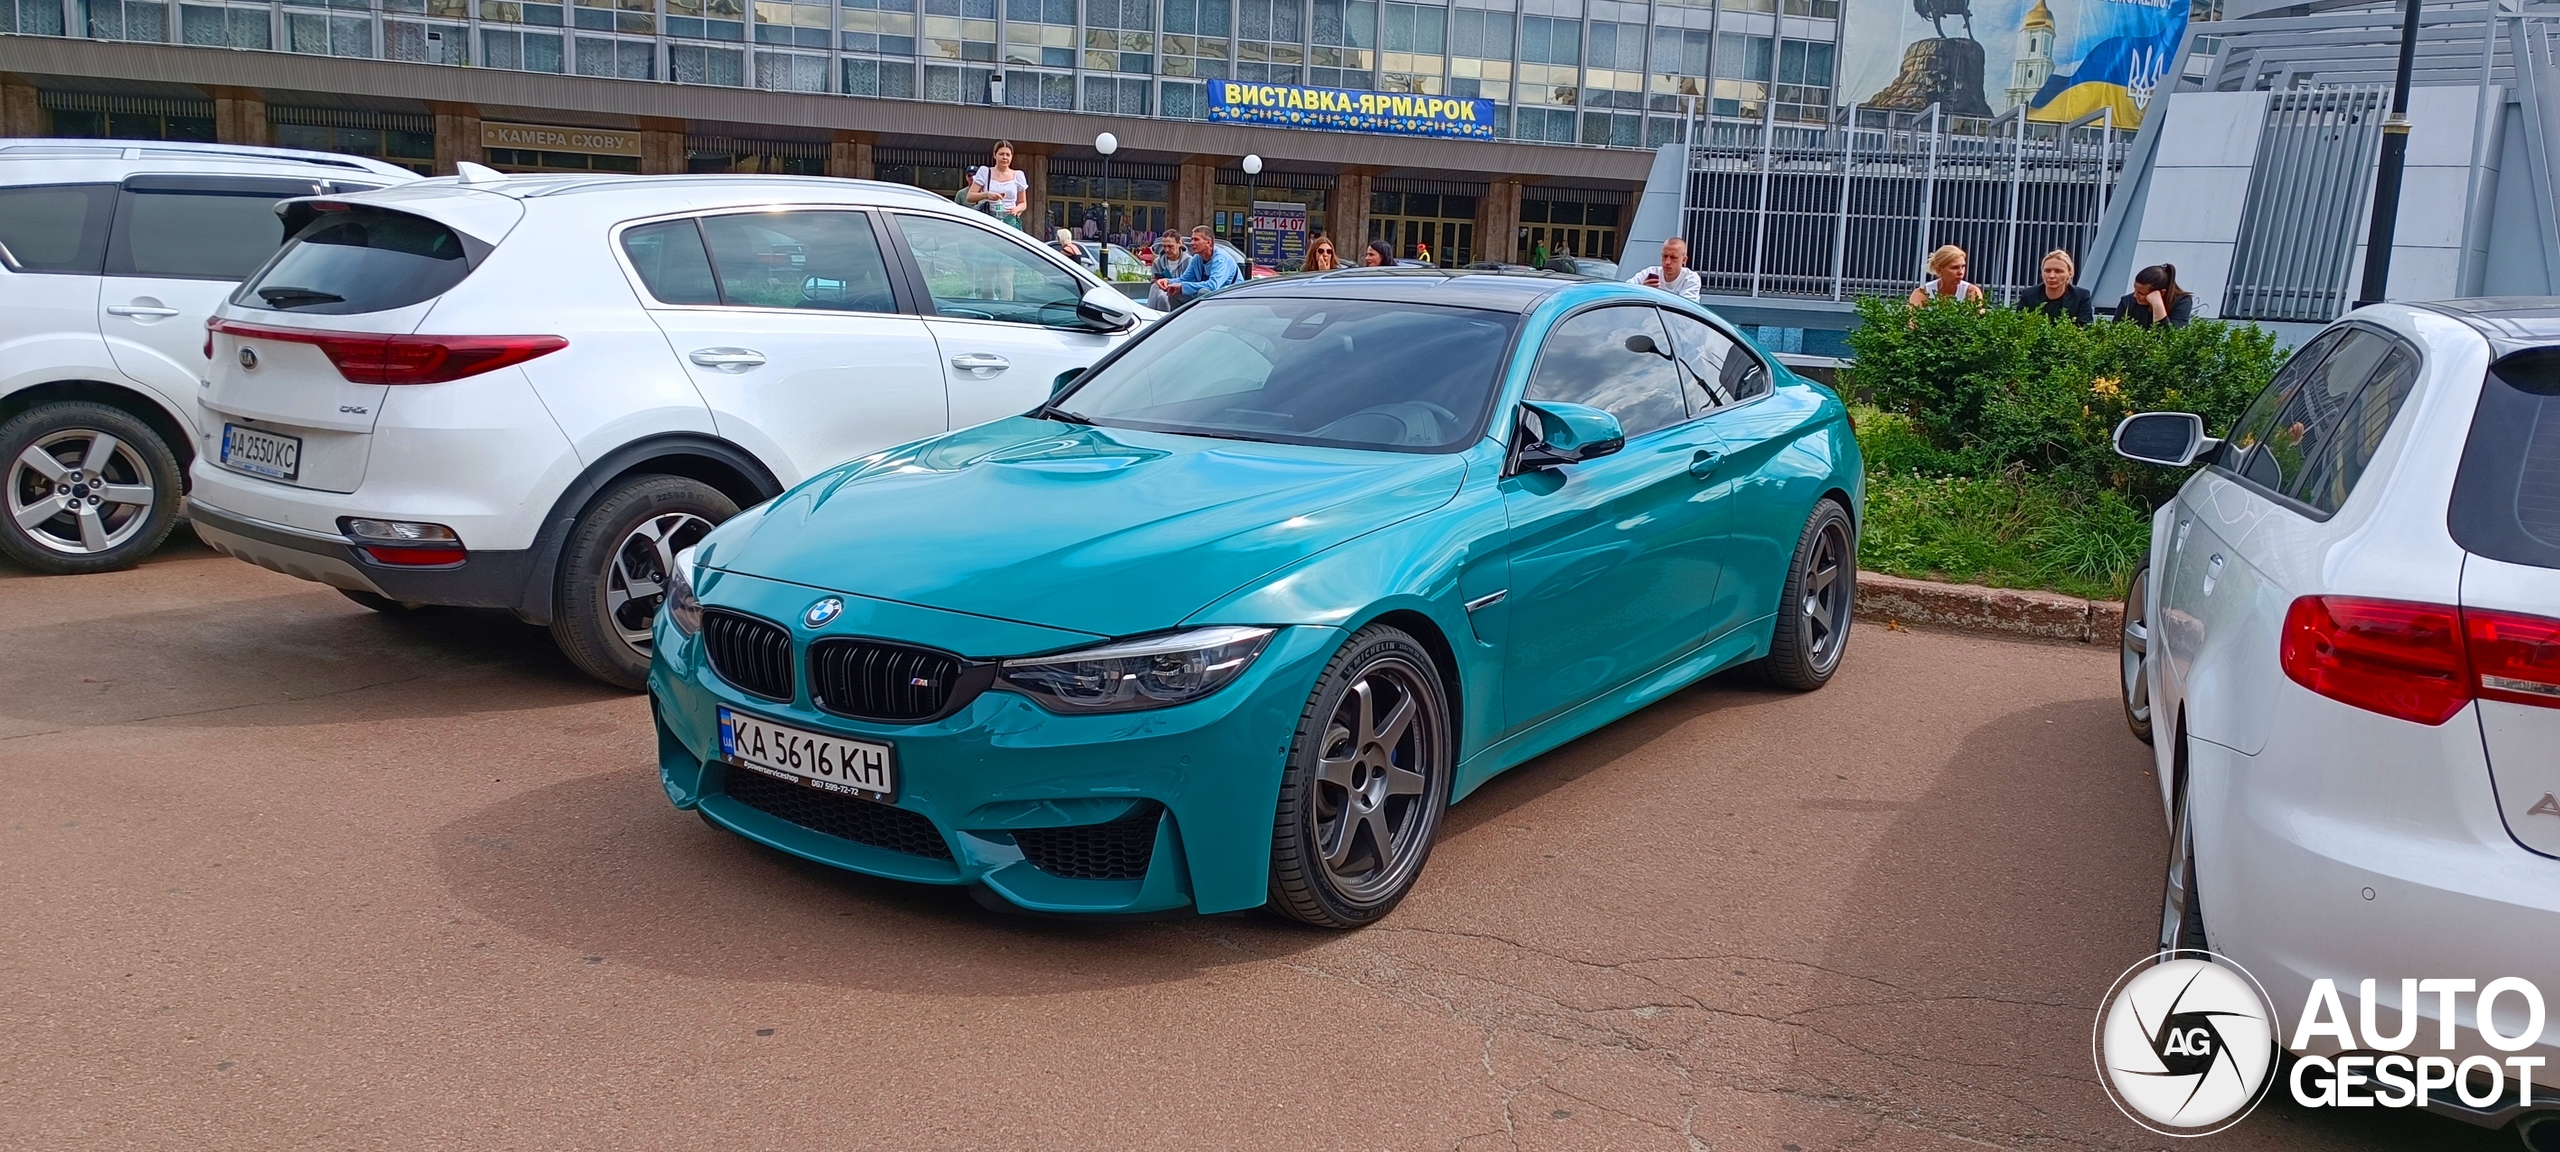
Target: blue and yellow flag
<point>2133,51</point>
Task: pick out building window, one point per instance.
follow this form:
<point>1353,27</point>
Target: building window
<point>637,17</point>
<point>1549,50</point>
<point>440,9</point>
<point>1564,228</point>
<point>792,72</point>
<point>961,30</point>
<point>126,118</point>
<point>894,79</point>
<point>405,139</point>
<point>620,59</point>
<point>1115,95</point>
<point>528,160</point>
<point>1054,91</point>
<point>951,85</point>
<point>212,27</point>
<point>511,12</point>
<point>1416,39</point>
<point>1413,223</point>
<point>329,34</point>
<point>703,64</point>
<point>887,27</point>
<point>127,20</point>
<point>1345,39</point>
<point>769,157</point>
<point>1480,50</point>
<point>522,51</point>
<point>1270,41</point>
<point>1804,80</point>
<point>1195,39</point>
<point>44,18</point>
<point>1183,100</point>
<point>1679,68</point>
<point>417,43</point>
<point>1742,74</point>
<point>1041,32</point>
<point>780,22</point>
<point>702,19</point>
<point>1614,79</point>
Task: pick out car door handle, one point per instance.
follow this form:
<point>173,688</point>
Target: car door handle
<point>139,310</point>
<point>985,364</point>
<point>1702,464</point>
<point>727,359</point>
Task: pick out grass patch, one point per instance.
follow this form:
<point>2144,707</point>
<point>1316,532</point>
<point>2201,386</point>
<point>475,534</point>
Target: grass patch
<point>2022,530</point>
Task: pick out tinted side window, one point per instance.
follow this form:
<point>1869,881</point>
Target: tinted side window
<point>2251,427</point>
<point>196,235</point>
<point>2294,438</point>
<point>56,227</point>
<point>829,261</point>
<point>1720,371</point>
<point>2506,495</point>
<point>1585,361</point>
<point>971,273</point>
<point>2340,457</point>
<point>669,257</point>
<point>360,260</point>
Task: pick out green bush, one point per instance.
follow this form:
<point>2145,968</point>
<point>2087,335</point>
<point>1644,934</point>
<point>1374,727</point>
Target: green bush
<point>1992,392</point>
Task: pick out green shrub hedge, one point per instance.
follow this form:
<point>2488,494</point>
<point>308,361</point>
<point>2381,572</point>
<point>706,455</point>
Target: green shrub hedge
<point>1988,441</point>
<point>1995,391</point>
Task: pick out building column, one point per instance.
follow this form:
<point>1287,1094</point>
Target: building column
<point>240,117</point>
<point>1347,215</point>
<point>849,157</point>
<point>20,116</point>
<point>1498,222</point>
<point>662,150</point>
<point>1035,201</point>
<point>1195,197</point>
<point>457,136</point>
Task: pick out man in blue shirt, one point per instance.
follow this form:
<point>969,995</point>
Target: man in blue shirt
<point>1208,270</point>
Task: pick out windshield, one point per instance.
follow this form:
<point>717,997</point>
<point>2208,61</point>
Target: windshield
<point>1347,373</point>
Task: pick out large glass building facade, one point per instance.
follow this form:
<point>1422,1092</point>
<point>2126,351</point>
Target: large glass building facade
<point>1589,72</point>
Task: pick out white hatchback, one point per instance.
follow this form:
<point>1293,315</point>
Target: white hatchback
<point>2346,650</point>
<point>112,254</point>
<point>531,392</point>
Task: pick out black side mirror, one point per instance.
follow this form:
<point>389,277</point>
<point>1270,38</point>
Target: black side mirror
<point>1643,344</point>
<point>2168,439</point>
<point>1566,434</point>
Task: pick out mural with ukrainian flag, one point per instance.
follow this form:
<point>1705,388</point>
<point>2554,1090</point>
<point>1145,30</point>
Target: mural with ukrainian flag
<point>2059,59</point>
<point>1343,110</point>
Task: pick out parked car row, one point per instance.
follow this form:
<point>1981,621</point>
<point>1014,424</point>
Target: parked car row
<point>618,364</point>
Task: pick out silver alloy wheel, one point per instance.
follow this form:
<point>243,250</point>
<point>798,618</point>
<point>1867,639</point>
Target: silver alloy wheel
<point>2134,654</point>
<point>635,584</point>
<point>1384,756</point>
<point>80,491</point>
<point>1826,607</point>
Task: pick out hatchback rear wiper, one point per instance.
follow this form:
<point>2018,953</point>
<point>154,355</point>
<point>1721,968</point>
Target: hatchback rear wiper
<point>296,297</point>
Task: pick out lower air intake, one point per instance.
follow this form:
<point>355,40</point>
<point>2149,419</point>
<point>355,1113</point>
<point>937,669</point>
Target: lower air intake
<point>843,817</point>
<point>1118,849</point>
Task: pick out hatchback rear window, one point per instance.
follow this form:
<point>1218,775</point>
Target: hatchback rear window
<point>359,260</point>
<point>2506,496</point>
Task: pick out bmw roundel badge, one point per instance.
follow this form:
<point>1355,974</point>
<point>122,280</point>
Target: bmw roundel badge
<point>822,612</point>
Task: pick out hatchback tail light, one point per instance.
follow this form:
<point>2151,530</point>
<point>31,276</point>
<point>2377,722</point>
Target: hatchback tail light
<point>2514,657</point>
<point>365,358</point>
<point>2419,662</point>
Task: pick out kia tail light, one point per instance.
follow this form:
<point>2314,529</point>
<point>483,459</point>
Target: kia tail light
<point>367,358</point>
<point>2419,662</point>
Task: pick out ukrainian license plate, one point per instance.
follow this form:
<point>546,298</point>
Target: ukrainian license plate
<point>258,453</point>
<point>826,763</point>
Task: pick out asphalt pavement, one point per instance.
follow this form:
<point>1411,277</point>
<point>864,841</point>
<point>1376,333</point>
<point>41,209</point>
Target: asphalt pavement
<point>282,873</point>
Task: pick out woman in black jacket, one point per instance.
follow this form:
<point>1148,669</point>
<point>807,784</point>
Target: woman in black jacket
<point>2156,300</point>
<point>2060,298</point>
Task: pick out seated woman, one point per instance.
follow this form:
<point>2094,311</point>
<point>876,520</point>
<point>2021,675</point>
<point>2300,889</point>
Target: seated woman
<point>2156,300</point>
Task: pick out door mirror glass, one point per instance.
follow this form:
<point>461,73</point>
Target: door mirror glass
<point>1558,432</point>
<point>1105,309</point>
<point>2169,439</point>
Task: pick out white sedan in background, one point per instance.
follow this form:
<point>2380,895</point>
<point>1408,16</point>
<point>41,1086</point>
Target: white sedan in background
<point>2345,647</point>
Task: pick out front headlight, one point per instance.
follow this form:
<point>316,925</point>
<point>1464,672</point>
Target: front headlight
<point>1131,675</point>
<point>682,609</point>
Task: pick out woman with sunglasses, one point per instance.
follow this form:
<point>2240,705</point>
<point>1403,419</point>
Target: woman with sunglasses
<point>1320,257</point>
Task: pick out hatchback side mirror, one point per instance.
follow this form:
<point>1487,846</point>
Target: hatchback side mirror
<point>1104,309</point>
<point>1567,434</point>
<point>2169,439</point>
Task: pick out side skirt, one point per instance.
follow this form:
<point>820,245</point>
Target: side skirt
<point>1741,644</point>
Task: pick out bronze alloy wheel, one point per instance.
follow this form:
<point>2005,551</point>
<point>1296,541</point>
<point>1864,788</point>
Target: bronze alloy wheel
<point>1367,783</point>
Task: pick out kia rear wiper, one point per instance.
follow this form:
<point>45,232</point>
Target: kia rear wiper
<point>289,298</point>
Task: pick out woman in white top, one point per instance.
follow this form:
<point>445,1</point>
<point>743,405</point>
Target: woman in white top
<point>999,187</point>
<point>1946,279</point>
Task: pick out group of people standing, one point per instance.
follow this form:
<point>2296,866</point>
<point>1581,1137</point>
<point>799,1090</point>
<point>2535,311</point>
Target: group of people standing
<point>2155,302</point>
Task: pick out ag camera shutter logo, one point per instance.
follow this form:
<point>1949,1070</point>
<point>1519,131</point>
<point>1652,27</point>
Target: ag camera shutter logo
<point>2186,1046</point>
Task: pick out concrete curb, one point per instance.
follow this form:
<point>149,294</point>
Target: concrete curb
<point>1974,608</point>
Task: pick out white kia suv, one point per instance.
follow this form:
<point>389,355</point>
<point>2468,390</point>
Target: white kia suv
<point>2346,650</point>
<point>531,392</point>
<point>112,254</point>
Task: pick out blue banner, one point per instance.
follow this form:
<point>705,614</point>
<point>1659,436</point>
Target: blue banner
<point>1343,110</point>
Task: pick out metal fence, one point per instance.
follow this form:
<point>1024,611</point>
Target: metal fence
<point>2307,194</point>
<point>1854,207</point>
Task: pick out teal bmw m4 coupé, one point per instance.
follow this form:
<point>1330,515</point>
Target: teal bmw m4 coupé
<point>1234,617</point>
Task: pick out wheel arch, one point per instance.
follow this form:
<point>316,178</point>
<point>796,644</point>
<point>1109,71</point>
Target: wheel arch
<point>735,472</point>
<point>155,414</point>
<point>1426,631</point>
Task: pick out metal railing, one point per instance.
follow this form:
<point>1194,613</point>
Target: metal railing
<point>1855,206</point>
